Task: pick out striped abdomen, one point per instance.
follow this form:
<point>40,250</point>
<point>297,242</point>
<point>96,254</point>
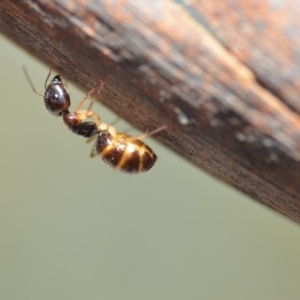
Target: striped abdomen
<point>123,153</point>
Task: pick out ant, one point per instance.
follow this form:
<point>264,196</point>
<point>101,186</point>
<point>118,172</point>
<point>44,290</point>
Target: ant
<point>118,150</point>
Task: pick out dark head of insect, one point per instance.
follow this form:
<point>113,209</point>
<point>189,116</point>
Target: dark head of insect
<point>56,97</point>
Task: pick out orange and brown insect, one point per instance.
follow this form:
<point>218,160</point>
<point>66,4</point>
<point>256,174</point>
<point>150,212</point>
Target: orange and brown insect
<point>118,150</point>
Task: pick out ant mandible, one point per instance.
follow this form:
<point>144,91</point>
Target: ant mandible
<point>118,150</point>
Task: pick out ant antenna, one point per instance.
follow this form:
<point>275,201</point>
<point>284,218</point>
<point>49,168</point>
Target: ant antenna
<point>49,74</point>
<point>30,82</point>
<point>47,78</point>
<point>50,65</point>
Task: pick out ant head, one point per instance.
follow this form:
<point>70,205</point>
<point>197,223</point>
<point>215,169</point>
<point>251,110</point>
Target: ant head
<point>56,97</point>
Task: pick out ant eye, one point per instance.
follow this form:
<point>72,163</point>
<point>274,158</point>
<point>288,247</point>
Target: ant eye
<point>56,97</point>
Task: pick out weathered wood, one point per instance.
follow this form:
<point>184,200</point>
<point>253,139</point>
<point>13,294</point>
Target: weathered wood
<point>227,107</point>
<point>264,36</point>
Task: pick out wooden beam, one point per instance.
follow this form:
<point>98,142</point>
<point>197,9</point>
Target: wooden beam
<point>227,88</point>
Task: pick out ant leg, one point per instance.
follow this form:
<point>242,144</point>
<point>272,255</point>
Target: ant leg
<point>93,152</point>
<point>87,96</point>
<point>88,114</point>
<point>84,99</point>
<point>99,88</point>
<point>90,139</point>
<point>146,134</point>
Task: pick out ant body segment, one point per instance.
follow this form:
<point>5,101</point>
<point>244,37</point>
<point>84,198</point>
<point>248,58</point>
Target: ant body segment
<point>124,152</point>
<point>118,150</point>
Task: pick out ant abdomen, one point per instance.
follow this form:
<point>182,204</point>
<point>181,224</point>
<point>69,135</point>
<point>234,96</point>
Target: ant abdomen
<point>56,97</point>
<point>124,153</point>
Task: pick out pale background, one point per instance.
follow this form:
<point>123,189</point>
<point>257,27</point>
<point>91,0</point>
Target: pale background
<point>71,228</point>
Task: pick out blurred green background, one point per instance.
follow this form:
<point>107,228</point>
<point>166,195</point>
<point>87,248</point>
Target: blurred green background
<point>71,228</point>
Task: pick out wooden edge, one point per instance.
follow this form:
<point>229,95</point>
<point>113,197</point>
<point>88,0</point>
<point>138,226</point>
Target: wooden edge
<point>162,67</point>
